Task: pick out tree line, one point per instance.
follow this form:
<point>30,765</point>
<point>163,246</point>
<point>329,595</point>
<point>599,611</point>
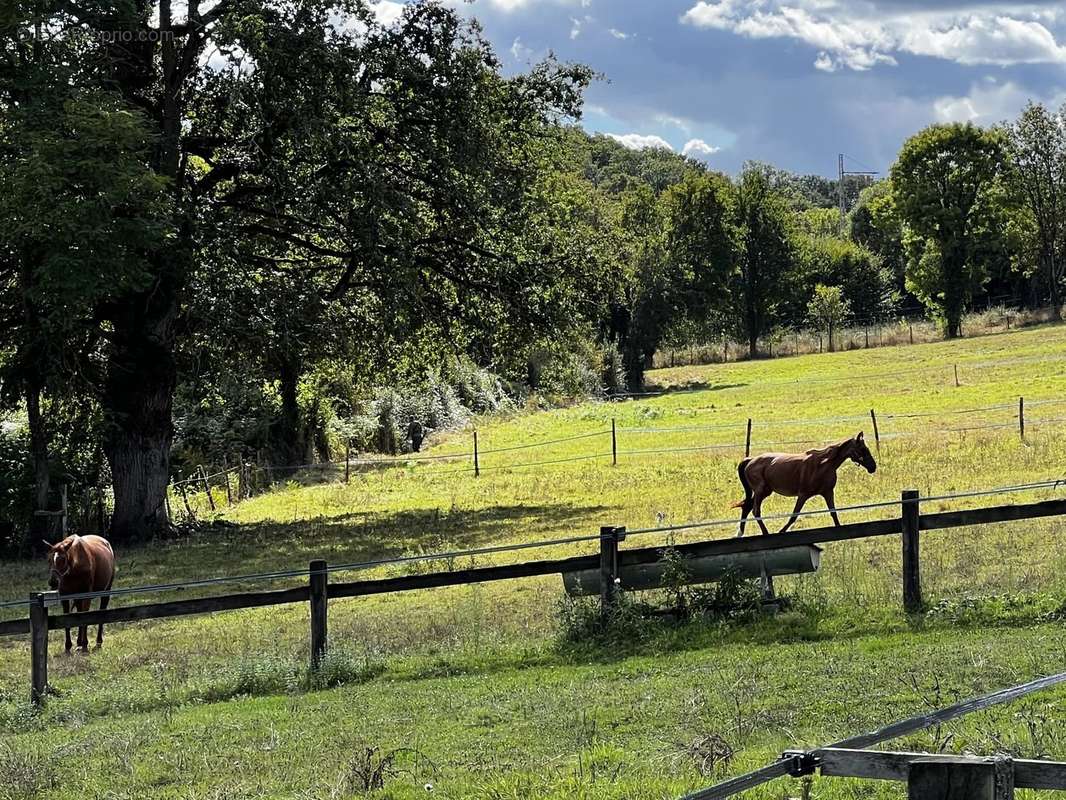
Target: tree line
<point>246,227</point>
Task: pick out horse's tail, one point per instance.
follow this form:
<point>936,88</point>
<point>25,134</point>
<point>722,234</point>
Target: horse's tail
<point>748,494</point>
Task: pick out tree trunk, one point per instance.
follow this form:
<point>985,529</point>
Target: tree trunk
<point>40,526</point>
<point>290,442</point>
<point>137,402</point>
<point>829,334</point>
<point>954,268</point>
<point>1053,287</point>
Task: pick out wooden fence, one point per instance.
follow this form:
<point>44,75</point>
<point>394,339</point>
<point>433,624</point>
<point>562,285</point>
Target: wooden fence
<point>929,776</point>
<point>610,559</point>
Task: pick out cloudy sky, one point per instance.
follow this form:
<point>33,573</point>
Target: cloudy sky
<point>792,82</point>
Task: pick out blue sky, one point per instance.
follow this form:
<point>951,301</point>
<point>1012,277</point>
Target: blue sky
<point>792,82</point>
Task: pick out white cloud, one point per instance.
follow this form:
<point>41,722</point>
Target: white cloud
<point>638,141</point>
<point>617,34</point>
<point>387,11</point>
<point>697,148</point>
<point>987,103</point>
<point>575,27</point>
<point>519,52</point>
<point>859,37</point>
<point>825,62</point>
<point>682,125</point>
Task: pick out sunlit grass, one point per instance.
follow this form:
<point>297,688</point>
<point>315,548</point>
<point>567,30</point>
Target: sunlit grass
<point>472,677</point>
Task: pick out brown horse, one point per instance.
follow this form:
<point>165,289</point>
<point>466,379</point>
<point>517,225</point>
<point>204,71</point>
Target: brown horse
<point>797,475</point>
<point>82,564</point>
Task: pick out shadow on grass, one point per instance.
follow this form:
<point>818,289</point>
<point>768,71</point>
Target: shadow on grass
<point>695,386</point>
<point>350,537</point>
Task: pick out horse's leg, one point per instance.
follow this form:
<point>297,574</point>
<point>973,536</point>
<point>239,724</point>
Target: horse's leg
<point>104,600</point>
<point>83,630</point>
<point>745,509</point>
<point>800,500</point>
<point>832,506</point>
<point>66,610</point>
<point>758,513</point>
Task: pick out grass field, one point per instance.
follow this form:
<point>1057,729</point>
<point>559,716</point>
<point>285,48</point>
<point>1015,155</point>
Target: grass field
<point>475,689</point>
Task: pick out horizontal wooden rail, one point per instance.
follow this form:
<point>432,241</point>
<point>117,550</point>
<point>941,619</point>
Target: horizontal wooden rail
<point>892,766</point>
<point>775,541</point>
<point>435,580</point>
<point>181,608</point>
<point>983,516</point>
<point>14,627</point>
<point>644,555</point>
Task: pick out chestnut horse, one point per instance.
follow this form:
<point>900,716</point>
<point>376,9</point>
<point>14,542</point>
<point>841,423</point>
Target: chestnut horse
<point>82,564</point>
<point>797,475</point>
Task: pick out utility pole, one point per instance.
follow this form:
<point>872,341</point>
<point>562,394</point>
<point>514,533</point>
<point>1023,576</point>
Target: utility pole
<point>841,173</point>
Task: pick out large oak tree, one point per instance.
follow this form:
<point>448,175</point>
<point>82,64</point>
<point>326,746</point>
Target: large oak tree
<point>393,161</point>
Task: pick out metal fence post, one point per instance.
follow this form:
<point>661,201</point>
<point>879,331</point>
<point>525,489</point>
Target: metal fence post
<point>912,582</point>
<point>1021,418</point>
<point>747,441</point>
<point>477,466</point>
<point>319,610</point>
<point>614,444</point>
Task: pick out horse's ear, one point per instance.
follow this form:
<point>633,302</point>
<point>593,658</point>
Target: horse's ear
<point>859,437</point>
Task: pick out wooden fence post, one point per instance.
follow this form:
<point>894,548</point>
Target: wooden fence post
<point>614,444</point>
<point>477,466</point>
<point>347,459</point>
<point>912,582</point>
<point>910,328</point>
<point>956,368</point>
<point>225,473</point>
<point>747,440</point>
<point>207,486</point>
<point>960,779</point>
<point>319,611</point>
<point>39,645</point>
<point>1021,418</point>
<point>877,434</point>
<point>609,538</point>
<point>185,498</point>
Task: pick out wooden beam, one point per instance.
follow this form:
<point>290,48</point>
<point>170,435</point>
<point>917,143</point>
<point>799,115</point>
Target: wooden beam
<point>319,579</point>
<point>912,582</point>
<point>892,766</point>
<point>981,516</point>
<point>181,608</point>
<point>957,778</point>
<point>459,577</point>
<point>14,627</point>
<point>775,541</point>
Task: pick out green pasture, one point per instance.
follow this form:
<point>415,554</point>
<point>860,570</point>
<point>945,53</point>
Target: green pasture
<point>474,688</point>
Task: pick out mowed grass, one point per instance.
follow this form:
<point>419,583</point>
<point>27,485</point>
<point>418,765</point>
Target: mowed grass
<point>475,681</point>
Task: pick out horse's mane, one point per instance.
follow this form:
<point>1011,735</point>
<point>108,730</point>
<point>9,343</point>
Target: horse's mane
<point>825,453</point>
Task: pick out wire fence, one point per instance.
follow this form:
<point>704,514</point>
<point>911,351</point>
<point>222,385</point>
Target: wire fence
<point>906,326</point>
<point>205,490</point>
<point>453,555</point>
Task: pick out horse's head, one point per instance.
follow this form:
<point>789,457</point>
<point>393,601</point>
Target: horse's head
<point>59,561</point>
<point>861,455</point>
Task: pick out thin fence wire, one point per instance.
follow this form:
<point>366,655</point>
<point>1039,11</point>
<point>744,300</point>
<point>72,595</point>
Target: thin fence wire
<point>1050,483</point>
